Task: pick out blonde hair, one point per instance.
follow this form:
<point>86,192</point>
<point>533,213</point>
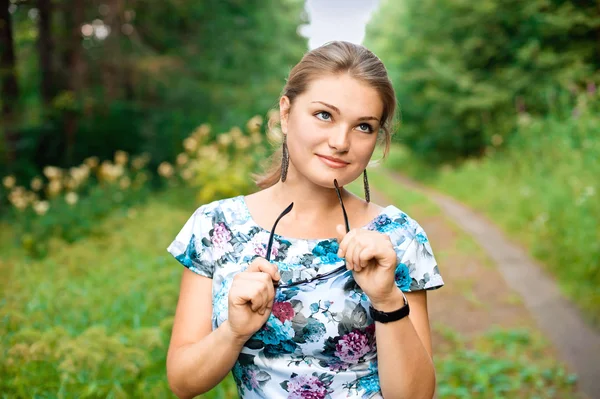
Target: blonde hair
<point>330,59</point>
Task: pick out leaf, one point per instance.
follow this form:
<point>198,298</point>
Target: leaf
<point>262,376</point>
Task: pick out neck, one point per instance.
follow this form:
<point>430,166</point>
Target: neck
<point>310,201</point>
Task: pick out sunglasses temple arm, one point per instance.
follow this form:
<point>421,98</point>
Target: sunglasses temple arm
<point>339,194</point>
<point>272,235</point>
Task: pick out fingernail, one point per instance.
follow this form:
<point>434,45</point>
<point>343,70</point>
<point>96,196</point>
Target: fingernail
<point>278,275</point>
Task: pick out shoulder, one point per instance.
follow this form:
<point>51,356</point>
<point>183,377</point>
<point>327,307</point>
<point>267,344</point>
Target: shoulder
<point>396,223</point>
<point>221,210</point>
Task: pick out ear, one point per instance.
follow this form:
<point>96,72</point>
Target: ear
<point>284,112</point>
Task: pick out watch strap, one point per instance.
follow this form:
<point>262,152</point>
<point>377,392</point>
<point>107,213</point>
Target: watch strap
<point>386,317</point>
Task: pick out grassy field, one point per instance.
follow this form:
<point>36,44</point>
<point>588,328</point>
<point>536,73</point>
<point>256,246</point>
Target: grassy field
<point>93,319</point>
<point>543,191</point>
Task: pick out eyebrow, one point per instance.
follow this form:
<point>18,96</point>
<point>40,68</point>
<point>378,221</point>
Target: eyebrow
<point>336,109</point>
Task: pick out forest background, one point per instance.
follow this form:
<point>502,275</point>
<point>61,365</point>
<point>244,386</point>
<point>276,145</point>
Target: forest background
<point>115,109</point>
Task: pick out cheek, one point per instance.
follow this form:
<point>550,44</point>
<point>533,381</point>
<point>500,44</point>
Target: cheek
<point>306,137</point>
<point>363,147</point>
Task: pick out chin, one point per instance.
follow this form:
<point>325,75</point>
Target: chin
<point>326,179</point>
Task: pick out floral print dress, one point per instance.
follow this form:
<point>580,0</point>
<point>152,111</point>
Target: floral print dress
<point>319,341</point>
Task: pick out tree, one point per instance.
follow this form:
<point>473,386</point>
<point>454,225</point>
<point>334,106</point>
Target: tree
<point>463,69</point>
<point>45,46</point>
<point>9,94</point>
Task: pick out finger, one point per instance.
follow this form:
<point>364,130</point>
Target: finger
<point>250,291</point>
<point>349,263</point>
<point>356,257</point>
<point>365,256</point>
<point>270,291</point>
<point>243,290</point>
<point>266,285</point>
<point>262,265</point>
<point>341,232</point>
<point>345,241</point>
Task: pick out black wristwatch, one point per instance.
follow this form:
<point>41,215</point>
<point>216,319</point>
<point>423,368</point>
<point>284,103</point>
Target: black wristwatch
<point>386,317</point>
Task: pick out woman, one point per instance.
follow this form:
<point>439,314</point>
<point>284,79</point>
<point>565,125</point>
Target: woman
<point>319,311</point>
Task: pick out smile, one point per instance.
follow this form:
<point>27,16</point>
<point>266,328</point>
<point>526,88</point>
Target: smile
<point>332,162</point>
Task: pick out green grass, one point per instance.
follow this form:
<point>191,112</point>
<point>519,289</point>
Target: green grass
<point>500,364</point>
<point>93,319</point>
<point>543,191</point>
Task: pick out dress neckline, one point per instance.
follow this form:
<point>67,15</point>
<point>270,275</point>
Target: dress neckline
<point>244,205</point>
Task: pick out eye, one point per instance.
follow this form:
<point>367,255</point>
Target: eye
<point>325,116</point>
<point>365,127</point>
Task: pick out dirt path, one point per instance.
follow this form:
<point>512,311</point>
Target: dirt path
<point>510,291</point>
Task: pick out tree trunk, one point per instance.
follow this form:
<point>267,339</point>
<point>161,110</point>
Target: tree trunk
<point>112,65</point>
<point>9,89</point>
<point>75,15</point>
<point>46,49</point>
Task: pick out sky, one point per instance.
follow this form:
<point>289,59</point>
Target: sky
<point>337,20</point>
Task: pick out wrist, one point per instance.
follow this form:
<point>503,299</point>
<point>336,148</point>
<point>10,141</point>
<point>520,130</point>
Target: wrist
<point>390,302</point>
<point>232,336</point>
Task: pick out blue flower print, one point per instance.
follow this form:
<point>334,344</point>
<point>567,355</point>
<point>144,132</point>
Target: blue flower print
<point>421,238</point>
<point>383,224</point>
<point>277,337</point>
<point>247,375</point>
<point>314,330</point>
<point>402,277</point>
<point>274,331</point>
<point>326,251</point>
<point>369,384</point>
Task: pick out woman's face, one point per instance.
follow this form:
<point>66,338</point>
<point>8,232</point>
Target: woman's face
<point>332,129</point>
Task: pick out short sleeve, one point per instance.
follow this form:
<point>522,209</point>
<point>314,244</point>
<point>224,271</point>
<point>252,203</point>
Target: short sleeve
<point>192,245</point>
<point>417,268</point>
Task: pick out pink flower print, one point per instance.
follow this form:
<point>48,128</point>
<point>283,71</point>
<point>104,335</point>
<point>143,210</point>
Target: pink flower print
<point>283,311</point>
<point>352,346</point>
<point>306,387</point>
<point>259,243</point>
<point>220,240</point>
<point>221,236</point>
<point>252,379</point>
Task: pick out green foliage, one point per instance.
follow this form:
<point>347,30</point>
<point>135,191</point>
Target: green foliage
<point>184,62</point>
<point>93,319</point>
<point>69,204</point>
<point>501,364</point>
<point>462,70</point>
<point>543,189</point>
<point>218,169</point>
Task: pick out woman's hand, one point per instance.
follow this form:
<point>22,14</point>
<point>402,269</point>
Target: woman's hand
<point>371,257</point>
<point>251,298</point>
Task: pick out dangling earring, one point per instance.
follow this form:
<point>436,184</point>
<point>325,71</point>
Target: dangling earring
<point>366,184</point>
<point>285,159</point>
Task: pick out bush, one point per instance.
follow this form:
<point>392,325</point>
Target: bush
<point>69,204</point>
<point>218,169</point>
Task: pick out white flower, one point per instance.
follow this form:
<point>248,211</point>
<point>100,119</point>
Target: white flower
<point>71,198</point>
<point>37,184</point>
<point>9,181</point>
<point>41,207</point>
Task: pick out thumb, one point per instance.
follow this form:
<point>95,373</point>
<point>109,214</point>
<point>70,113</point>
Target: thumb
<point>341,231</point>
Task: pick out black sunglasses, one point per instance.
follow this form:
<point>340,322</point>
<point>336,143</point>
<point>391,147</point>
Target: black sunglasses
<point>318,277</point>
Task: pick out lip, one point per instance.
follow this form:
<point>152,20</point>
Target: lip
<point>333,162</point>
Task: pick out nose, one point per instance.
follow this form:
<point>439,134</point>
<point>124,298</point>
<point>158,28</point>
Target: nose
<point>339,139</point>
